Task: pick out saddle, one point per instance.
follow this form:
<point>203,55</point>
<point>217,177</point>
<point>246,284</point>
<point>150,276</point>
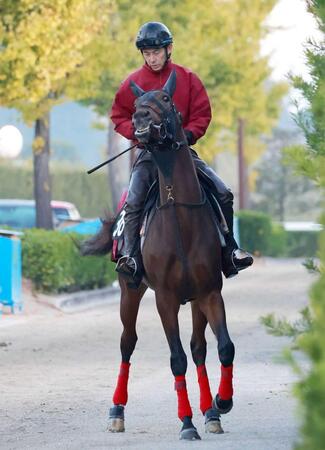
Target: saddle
<point>150,208</point>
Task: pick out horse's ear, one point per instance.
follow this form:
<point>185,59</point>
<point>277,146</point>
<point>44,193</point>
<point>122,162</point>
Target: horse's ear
<point>170,84</point>
<point>137,91</point>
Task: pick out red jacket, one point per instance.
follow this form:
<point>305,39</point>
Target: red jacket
<point>190,98</point>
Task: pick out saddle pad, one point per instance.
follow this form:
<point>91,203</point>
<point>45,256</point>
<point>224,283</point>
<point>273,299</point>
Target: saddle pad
<point>118,228</point>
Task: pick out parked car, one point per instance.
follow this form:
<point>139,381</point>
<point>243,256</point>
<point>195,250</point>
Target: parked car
<point>20,214</point>
<point>65,210</point>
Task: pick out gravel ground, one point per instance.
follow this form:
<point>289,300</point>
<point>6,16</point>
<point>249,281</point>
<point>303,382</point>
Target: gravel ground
<point>58,372</point>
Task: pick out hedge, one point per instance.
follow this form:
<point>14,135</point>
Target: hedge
<point>89,193</point>
<point>52,261</point>
<point>277,241</point>
<point>255,230</point>
<point>302,243</point>
<point>260,236</point>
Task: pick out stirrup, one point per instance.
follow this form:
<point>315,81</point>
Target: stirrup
<point>128,267</point>
<point>241,259</point>
<point>236,261</point>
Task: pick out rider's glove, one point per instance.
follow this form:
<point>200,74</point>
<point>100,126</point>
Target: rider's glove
<point>189,137</point>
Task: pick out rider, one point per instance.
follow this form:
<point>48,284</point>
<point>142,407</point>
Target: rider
<point>154,40</point>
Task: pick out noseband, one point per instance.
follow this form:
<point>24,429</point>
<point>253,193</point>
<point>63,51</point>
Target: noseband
<point>170,118</point>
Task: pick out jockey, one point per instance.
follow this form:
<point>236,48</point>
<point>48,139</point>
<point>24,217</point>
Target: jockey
<point>154,40</point>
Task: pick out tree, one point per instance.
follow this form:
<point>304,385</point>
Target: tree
<point>42,46</point>
<point>279,191</point>
<point>110,58</point>
<point>310,161</point>
<point>220,41</point>
<point>226,40</point>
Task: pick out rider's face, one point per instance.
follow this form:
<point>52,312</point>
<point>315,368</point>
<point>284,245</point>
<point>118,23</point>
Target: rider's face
<point>156,57</point>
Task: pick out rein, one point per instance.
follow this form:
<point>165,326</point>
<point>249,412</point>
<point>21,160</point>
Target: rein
<point>169,119</point>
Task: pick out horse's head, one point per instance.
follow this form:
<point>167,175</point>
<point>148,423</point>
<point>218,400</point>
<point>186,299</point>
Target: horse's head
<point>156,120</point>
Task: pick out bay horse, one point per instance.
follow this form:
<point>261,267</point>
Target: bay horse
<point>182,261</point>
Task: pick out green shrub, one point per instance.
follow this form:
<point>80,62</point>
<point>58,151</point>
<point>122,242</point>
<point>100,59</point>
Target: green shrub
<point>302,243</point>
<point>255,230</point>
<point>52,261</point>
<point>277,241</point>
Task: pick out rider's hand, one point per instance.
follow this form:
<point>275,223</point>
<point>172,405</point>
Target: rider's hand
<point>189,137</point>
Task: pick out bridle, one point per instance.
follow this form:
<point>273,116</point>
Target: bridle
<point>166,129</point>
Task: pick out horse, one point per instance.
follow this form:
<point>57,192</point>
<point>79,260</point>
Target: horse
<point>181,255</point>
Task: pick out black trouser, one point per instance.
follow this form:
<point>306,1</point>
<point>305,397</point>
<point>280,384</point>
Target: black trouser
<point>143,174</point>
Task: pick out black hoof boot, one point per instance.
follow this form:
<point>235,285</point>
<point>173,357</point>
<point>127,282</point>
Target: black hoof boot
<point>188,431</point>
<point>116,419</point>
<point>222,406</point>
<point>212,421</point>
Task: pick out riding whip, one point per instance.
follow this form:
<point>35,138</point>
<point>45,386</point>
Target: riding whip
<point>109,160</point>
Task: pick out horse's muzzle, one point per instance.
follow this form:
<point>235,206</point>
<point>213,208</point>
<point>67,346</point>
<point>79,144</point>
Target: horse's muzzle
<point>143,134</point>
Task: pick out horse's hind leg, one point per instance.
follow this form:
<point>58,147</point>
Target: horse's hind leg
<point>168,308</point>
<point>199,351</point>
<point>213,308</point>
<point>129,307</point>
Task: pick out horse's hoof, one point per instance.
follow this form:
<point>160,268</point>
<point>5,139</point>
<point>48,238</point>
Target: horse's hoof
<point>116,425</point>
<point>190,434</point>
<point>222,406</point>
<point>188,431</point>
<point>116,419</point>
<point>212,421</point>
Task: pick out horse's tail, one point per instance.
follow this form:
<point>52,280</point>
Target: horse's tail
<point>101,243</point>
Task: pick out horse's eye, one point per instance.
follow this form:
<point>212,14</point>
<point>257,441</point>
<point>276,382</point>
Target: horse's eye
<point>166,98</point>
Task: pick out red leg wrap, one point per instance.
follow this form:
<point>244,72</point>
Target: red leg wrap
<point>205,392</point>
<point>120,396</point>
<point>225,387</point>
<point>184,407</point>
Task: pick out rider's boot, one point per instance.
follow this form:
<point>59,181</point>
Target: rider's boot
<point>130,265</point>
<point>234,258</point>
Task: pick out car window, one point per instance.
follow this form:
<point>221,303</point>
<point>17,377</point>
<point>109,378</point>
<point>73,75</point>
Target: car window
<point>66,213</point>
<point>61,213</point>
<point>19,216</point>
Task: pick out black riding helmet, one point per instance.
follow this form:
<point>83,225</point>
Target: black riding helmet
<point>153,35</point>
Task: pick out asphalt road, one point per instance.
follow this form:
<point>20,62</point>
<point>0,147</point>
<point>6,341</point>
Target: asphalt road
<point>58,372</point>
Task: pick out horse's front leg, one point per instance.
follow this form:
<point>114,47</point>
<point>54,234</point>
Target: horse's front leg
<point>213,308</point>
<point>199,351</point>
<point>168,307</point>
<point>129,307</point>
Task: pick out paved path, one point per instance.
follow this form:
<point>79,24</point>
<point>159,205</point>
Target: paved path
<point>58,372</point>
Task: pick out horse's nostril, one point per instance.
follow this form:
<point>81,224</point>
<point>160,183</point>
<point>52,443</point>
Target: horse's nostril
<point>147,113</point>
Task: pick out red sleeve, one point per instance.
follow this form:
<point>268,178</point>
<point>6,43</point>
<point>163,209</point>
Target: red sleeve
<point>122,110</point>
<point>200,109</point>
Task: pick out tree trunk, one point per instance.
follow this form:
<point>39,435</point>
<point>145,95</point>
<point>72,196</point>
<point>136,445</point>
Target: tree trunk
<point>242,169</point>
<point>42,182</point>
<point>282,193</point>
<point>118,170</point>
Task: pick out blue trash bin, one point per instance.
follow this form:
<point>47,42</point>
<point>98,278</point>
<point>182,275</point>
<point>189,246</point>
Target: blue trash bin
<point>10,269</point>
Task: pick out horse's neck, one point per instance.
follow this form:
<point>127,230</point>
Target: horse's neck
<point>184,182</point>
